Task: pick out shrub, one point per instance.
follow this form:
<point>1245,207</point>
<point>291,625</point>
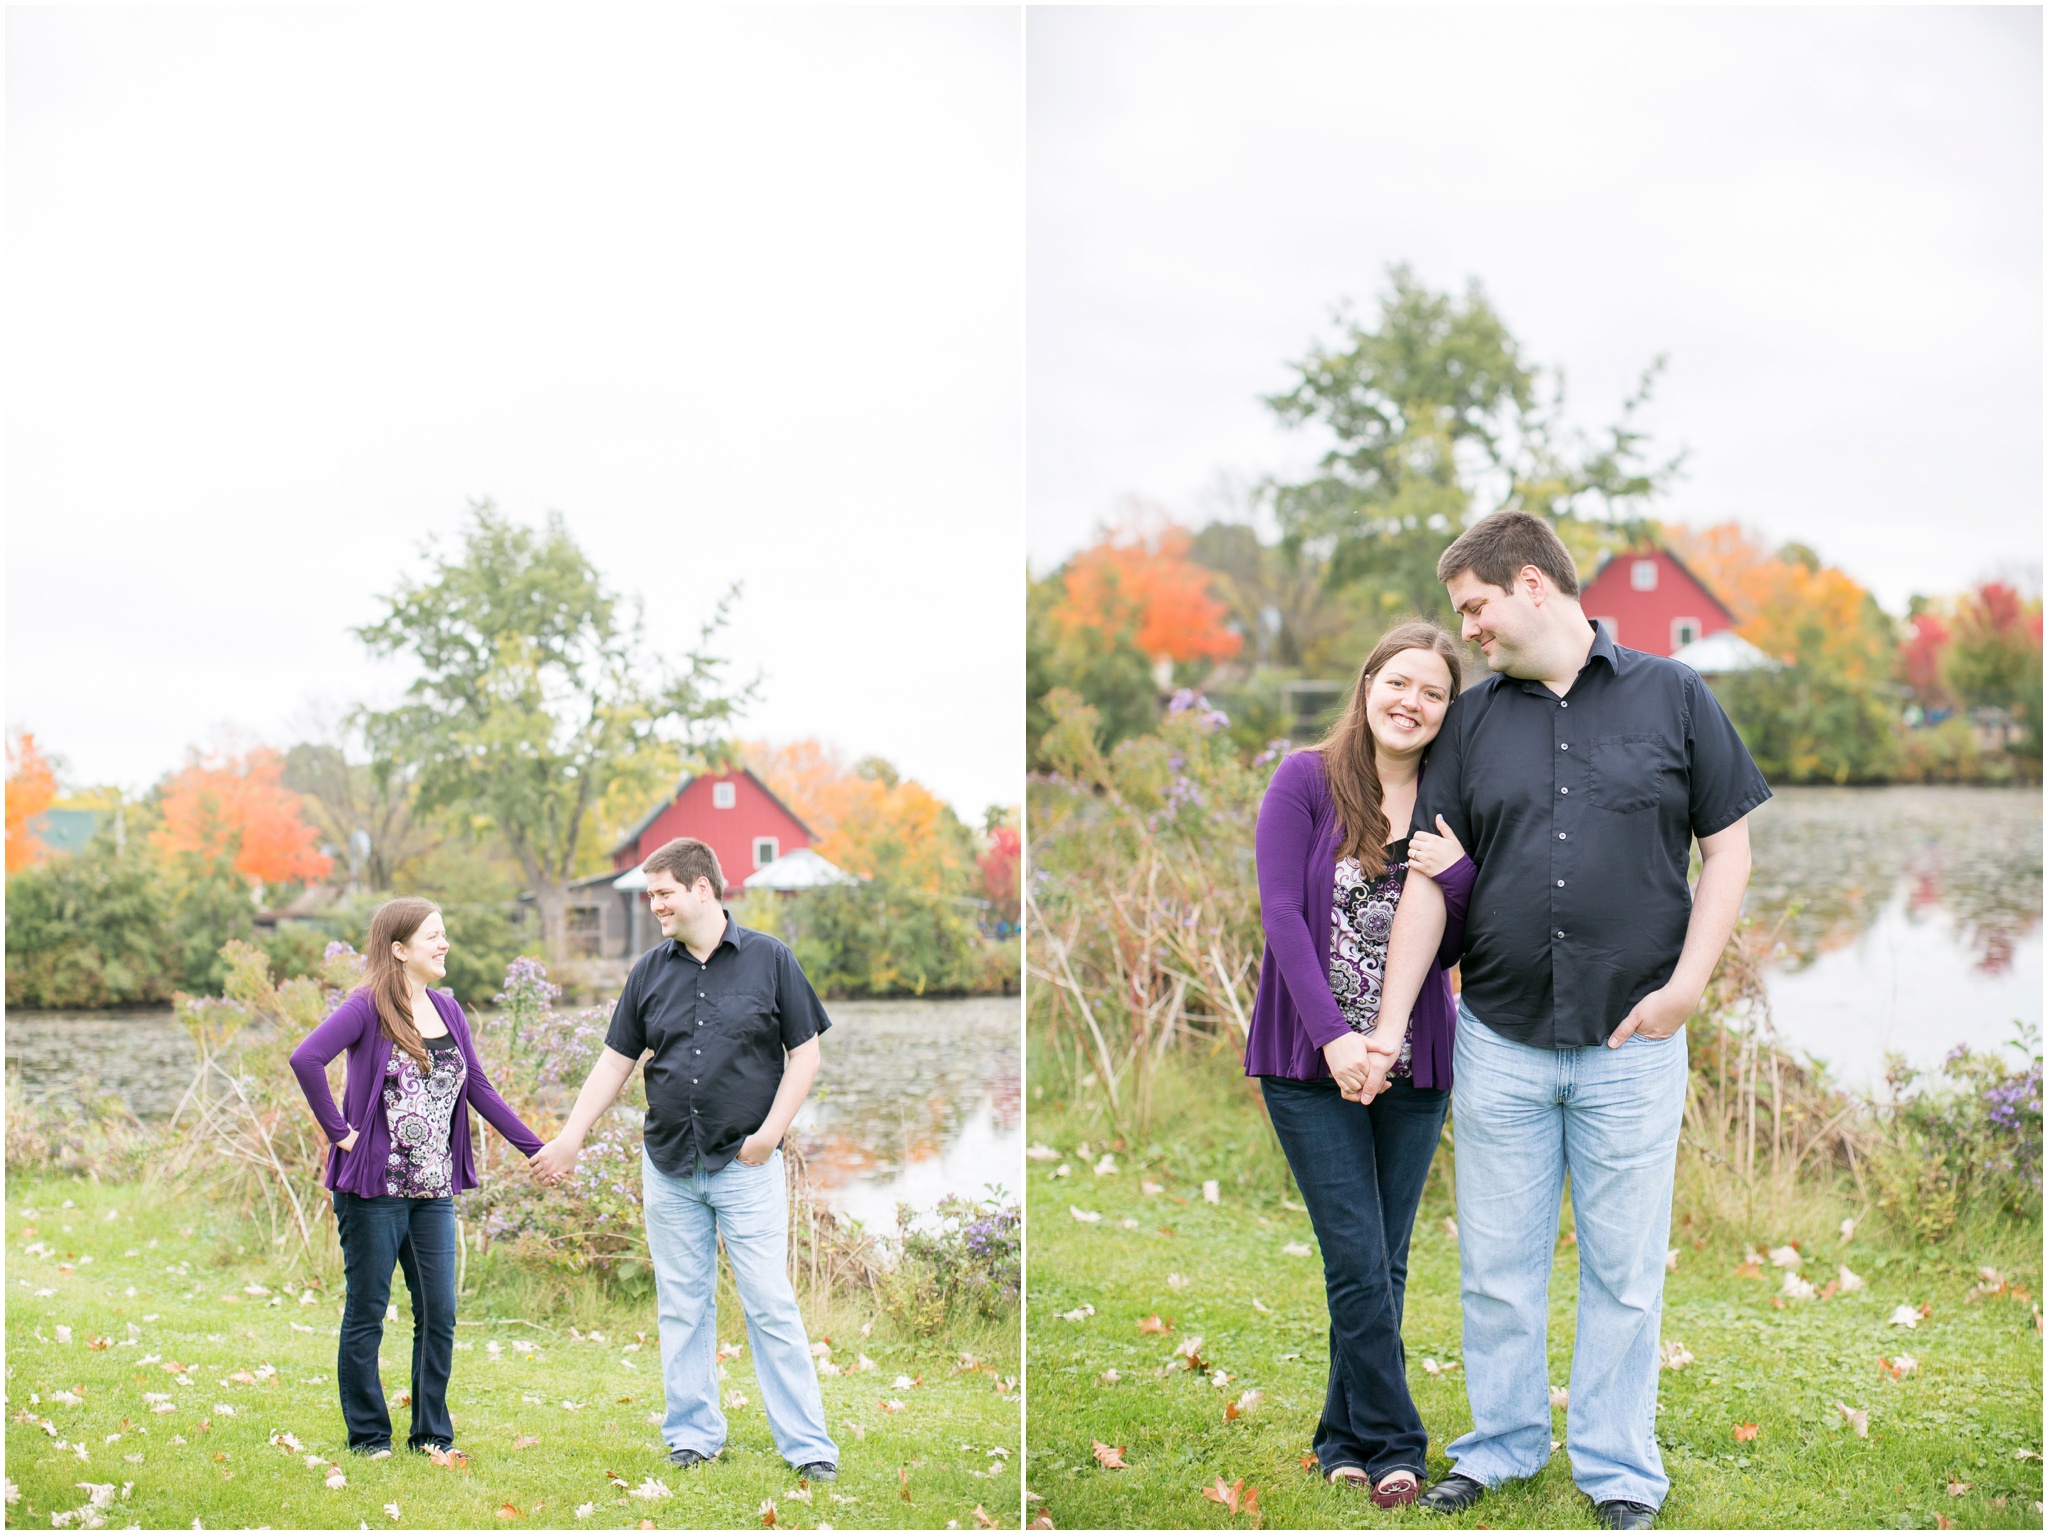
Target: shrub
<point>969,1259</point>
<point>91,930</point>
<point>90,1135</point>
<point>1965,1138</point>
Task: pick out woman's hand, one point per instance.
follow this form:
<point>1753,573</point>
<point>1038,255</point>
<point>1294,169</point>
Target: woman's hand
<point>1434,852</point>
<point>348,1141</point>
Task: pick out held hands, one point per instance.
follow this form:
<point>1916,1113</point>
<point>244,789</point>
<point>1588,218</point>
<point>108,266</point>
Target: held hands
<point>1659,1015</point>
<point>1434,852</point>
<point>1359,1064</point>
<point>554,1161</point>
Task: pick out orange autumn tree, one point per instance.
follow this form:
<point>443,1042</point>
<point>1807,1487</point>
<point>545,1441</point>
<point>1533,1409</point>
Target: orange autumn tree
<point>1722,556</point>
<point>31,787</point>
<point>236,810</point>
<point>1143,584</point>
<point>866,817</point>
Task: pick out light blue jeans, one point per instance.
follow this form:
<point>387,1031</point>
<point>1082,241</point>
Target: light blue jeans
<point>749,1207</point>
<point>1523,1118</point>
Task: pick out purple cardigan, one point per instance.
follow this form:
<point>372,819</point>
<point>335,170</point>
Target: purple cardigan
<point>353,1027</point>
<point>1295,1014</point>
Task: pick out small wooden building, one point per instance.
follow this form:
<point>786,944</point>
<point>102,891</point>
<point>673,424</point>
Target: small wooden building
<point>1647,600</point>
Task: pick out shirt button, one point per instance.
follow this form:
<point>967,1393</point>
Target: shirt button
<point>1560,932</point>
<point>1564,791</point>
<point>1564,746</point>
<point>1560,884</point>
<point>1560,836</point>
<point>1562,704</point>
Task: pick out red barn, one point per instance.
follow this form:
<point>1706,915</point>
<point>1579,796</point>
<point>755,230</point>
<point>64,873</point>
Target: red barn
<point>1647,600</point>
<point>735,813</point>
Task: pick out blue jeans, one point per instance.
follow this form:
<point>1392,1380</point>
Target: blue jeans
<point>749,1207</point>
<point>1361,1170</point>
<point>1526,1117</point>
<point>419,1236</point>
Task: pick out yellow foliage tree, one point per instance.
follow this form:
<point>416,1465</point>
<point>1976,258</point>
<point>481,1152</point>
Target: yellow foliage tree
<point>866,818</point>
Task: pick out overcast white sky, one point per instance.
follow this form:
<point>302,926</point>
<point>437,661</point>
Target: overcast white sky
<point>1829,218</point>
<point>738,291</point>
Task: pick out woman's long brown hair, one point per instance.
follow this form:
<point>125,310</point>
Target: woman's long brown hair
<point>1350,762</point>
<point>384,978</point>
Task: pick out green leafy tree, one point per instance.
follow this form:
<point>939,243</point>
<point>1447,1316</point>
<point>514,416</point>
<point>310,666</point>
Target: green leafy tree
<point>1993,657</point>
<point>536,693</point>
<point>94,930</point>
<point>1102,664</point>
<point>1438,417</point>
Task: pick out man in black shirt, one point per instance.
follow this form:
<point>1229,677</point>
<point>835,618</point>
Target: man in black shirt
<point>729,1028</point>
<point>1577,777</point>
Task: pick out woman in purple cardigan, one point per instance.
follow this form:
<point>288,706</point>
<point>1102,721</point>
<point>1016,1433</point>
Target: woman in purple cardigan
<point>400,1156</point>
<point>1329,878</point>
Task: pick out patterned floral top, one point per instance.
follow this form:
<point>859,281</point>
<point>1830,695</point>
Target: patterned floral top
<point>1361,920</point>
<point>418,1108</point>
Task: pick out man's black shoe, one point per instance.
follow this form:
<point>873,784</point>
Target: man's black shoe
<point>818,1471</point>
<point>1624,1515</point>
<point>1453,1495</point>
<point>686,1458</point>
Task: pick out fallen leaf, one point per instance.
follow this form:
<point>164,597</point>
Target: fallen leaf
<point>1957,1489</point>
<point>1858,1418</point>
<point>1785,1257</point>
<point>1745,1431</point>
<point>890,1406</point>
<point>1226,1493</point>
<point>1147,1186</point>
<point>1847,1280</point>
<point>1310,1463</point>
<point>1560,1396</point>
<point>1153,1324</point>
<point>1176,1281</point>
<point>1671,1260</point>
<point>1943,1522</point>
<point>1795,1288</point>
<point>1085,1217</point>
<point>525,1441</point>
<point>903,1484</point>
<point>1038,1151</point>
<point>1105,1167</point>
<point>1749,1269</point>
<point>585,1510</point>
<point>508,1511</point>
<point>1110,1456</point>
<point>392,1510</point>
<point>1676,1355</point>
<point>1108,1378</point>
<point>1212,1192</point>
<point>457,1459</point>
<point>1080,1313</point>
<point>1848,1228</point>
<point>1904,1316</point>
<point>650,1488</point>
<point>1296,1249</point>
<point>767,1513</point>
<point>981,1518</point>
<point>336,1480</point>
<point>1450,1228</point>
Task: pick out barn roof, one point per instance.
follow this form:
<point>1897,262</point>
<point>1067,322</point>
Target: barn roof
<point>631,839</point>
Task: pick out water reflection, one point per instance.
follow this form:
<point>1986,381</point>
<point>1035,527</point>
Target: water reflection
<point>915,1100</point>
<point>1909,919</point>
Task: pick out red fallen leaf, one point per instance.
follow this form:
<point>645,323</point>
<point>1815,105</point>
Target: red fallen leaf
<point>1943,1522</point>
<point>1828,1290</point>
<point>1310,1463</point>
<point>1778,1301</point>
<point>981,1518</point>
<point>1043,1522</point>
<point>1745,1431</point>
<point>1229,1416</point>
<point>1750,1270</point>
<point>526,1441</point>
<point>649,1524</point>
<point>903,1484</point>
<point>767,1512</point>
<point>1110,1456</point>
<point>507,1511</point>
<point>1154,1324</point>
<point>2019,1292</point>
<point>404,1399</point>
<point>99,1345</point>
<point>1165,1231</point>
<point>1250,1507</point>
<point>1571,1239</point>
<point>457,1459</point>
<point>1926,1308</point>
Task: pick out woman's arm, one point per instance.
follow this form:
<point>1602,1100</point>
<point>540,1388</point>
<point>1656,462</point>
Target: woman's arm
<point>486,1098</point>
<point>342,1028</point>
<point>1456,884</point>
<point>1283,841</point>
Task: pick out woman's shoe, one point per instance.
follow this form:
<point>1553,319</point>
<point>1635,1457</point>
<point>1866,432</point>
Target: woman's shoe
<point>1356,1475</point>
<point>1396,1488</point>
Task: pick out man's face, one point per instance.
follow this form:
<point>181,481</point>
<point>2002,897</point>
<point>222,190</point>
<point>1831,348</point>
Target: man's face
<point>1503,623</point>
<point>672,904</point>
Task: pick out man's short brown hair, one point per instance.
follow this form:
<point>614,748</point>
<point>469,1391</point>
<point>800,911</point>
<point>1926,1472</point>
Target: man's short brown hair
<point>689,861</point>
<point>1498,546</point>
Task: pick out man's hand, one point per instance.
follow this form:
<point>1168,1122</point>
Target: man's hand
<point>757,1149</point>
<point>348,1141</point>
<point>1658,1016</point>
<point>554,1161</point>
<point>1349,1059</point>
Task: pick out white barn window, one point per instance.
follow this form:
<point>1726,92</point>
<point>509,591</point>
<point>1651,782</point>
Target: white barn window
<point>1642,575</point>
<point>724,796</point>
<point>766,851</point>
<point>1684,631</point>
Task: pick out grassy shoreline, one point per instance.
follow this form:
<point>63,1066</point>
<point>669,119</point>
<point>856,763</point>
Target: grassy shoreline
<point>174,1277</point>
<point>1962,1417</point>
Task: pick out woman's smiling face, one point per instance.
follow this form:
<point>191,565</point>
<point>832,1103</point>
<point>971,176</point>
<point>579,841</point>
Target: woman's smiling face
<point>1405,708</point>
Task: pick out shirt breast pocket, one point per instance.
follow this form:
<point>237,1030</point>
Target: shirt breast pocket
<point>747,1012</point>
<point>1629,772</point>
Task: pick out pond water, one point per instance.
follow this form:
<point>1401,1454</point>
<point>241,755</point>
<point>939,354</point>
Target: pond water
<point>1909,919</point>
<point>915,1099</point>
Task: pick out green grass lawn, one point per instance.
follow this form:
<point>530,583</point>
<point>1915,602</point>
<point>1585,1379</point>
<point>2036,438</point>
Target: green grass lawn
<point>141,1284</point>
<point>1223,1273</point>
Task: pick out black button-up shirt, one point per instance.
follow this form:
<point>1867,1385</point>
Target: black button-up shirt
<point>718,1030</point>
<point>1580,812</point>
